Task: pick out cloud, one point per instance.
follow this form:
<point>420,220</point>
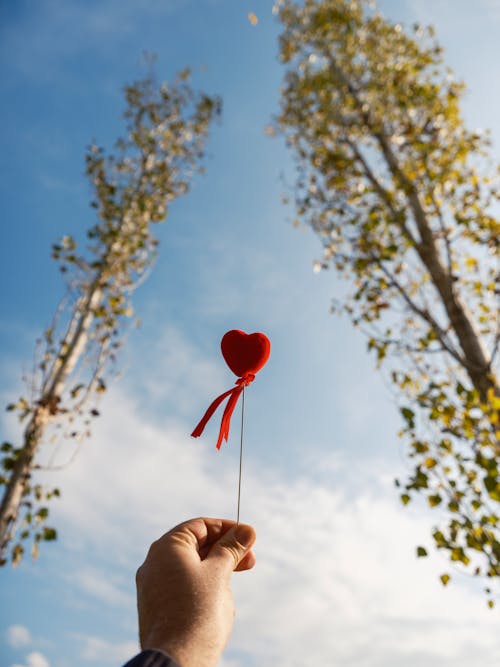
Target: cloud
<point>337,577</point>
<point>101,587</point>
<point>18,636</point>
<point>103,651</point>
<point>173,371</point>
<point>337,581</point>
<point>133,478</point>
<point>34,659</point>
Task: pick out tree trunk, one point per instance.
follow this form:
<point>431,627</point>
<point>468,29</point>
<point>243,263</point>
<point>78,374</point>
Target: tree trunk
<point>476,359</point>
<point>20,476</point>
<point>46,409</point>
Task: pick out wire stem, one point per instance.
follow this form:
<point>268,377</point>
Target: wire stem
<point>241,453</point>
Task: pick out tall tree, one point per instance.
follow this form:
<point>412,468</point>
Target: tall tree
<point>152,164</point>
<point>403,196</point>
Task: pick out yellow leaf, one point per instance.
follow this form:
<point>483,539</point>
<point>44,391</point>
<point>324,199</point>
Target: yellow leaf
<point>445,578</point>
<point>252,18</point>
<point>495,401</point>
<point>471,263</point>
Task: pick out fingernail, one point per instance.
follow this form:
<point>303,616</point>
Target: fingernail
<point>244,535</point>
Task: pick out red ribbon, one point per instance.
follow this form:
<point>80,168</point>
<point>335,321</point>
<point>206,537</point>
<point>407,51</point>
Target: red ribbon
<point>234,395</point>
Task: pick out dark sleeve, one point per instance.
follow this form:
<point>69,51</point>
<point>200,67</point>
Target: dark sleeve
<point>152,658</point>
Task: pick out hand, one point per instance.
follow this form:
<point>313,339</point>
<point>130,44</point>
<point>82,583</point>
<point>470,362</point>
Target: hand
<point>184,596</point>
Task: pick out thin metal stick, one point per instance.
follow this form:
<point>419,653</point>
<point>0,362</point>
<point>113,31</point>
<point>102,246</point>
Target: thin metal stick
<point>241,454</point>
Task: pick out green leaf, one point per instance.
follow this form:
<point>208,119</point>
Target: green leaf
<point>458,554</point>
<point>420,447</point>
<point>440,539</point>
<point>17,554</point>
<point>49,534</point>
<point>8,463</point>
<point>434,499</point>
<point>493,487</point>
<point>42,513</point>
<point>421,552</point>
<point>408,416</point>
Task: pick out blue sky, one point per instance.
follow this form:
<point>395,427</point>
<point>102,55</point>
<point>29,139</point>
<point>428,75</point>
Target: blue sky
<point>337,573</point>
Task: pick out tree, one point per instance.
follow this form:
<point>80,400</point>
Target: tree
<point>402,195</point>
<point>166,129</point>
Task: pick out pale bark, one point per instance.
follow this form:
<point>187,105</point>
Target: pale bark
<point>476,360</point>
<point>71,349</point>
<point>20,476</point>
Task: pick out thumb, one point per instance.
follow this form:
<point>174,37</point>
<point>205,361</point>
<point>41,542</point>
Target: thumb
<point>233,545</point>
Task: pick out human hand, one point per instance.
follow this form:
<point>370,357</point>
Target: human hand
<point>184,596</point>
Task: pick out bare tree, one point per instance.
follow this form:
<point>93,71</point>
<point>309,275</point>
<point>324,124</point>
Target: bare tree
<point>166,129</point>
<point>402,196</point>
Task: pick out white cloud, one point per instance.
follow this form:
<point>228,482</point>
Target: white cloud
<point>134,478</point>
<point>37,659</point>
<point>337,578</point>
<point>337,581</point>
<point>103,651</point>
<point>173,371</point>
<point>18,636</point>
<point>101,587</point>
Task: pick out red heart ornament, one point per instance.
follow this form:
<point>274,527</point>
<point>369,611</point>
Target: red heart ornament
<point>245,353</point>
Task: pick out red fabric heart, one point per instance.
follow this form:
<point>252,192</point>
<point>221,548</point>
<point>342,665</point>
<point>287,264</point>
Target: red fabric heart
<point>245,354</point>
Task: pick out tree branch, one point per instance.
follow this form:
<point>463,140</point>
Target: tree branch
<point>475,358</point>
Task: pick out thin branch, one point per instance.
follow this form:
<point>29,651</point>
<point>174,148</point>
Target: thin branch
<point>425,315</point>
<point>475,357</point>
<point>444,233</point>
<point>384,194</point>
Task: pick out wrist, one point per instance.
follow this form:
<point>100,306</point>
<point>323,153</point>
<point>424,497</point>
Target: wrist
<point>186,653</point>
